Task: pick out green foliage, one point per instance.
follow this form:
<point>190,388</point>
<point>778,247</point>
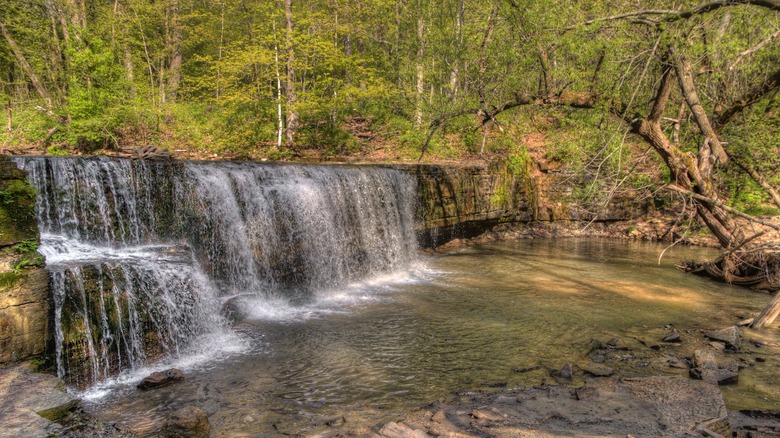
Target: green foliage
<point>29,256</point>
<point>56,151</point>
<point>17,192</point>
<point>8,279</point>
<point>96,92</point>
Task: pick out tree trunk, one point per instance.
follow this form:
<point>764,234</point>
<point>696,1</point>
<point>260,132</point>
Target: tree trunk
<point>10,110</point>
<point>175,61</point>
<point>280,131</point>
<point>26,68</point>
<point>420,70</point>
<point>79,14</point>
<point>685,169</point>
<point>547,75</point>
<point>292,98</point>
<point>455,72</point>
<point>685,77</point>
<point>768,315</point>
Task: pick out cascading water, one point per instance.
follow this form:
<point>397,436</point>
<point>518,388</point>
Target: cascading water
<point>144,254</point>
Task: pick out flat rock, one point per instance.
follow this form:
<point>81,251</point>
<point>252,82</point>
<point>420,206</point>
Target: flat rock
<point>654,406</point>
<point>26,397</point>
<point>401,430</point>
<point>488,415</point>
<point>161,378</point>
<point>597,369</point>
<point>731,336</point>
<point>674,337</point>
<point>720,376</point>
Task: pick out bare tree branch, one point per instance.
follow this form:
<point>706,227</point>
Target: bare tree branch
<point>754,49</point>
<point>723,206</point>
<point>770,84</point>
<point>672,15</point>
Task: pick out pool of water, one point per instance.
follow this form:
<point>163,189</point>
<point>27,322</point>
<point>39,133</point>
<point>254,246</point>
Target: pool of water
<point>465,318</point>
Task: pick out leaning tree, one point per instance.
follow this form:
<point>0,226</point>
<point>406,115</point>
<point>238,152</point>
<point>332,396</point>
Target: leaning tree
<point>704,76</point>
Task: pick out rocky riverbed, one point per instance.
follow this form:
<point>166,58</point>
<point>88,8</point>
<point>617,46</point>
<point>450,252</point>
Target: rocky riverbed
<point>664,383</point>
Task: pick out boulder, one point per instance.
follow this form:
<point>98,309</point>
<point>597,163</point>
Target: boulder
<point>731,336</point>
<point>161,378</point>
<point>188,421</point>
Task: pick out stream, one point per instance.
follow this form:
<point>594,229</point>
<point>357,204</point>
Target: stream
<point>467,318</point>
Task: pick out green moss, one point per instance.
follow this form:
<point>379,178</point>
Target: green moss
<point>17,206</point>
<point>8,279</point>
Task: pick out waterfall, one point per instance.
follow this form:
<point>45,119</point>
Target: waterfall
<point>143,254</point>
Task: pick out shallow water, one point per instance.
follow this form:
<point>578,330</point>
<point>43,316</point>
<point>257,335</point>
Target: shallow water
<point>466,318</point>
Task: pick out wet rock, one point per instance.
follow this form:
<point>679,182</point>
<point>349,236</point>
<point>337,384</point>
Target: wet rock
<point>719,346</point>
<point>336,421</point>
<point>674,337</point>
<point>715,427</point>
<point>57,413</point>
<point>586,393</point>
<point>401,430</point>
<point>720,376</point>
<point>649,343</point>
<point>567,372</point>
<point>488,415</point>
<point>755,423</point>
<point>706,368</point>
<point>161,378</point>
<point>32,403</point>
<point>188,421</point>
<point>598,370</point>
<point>678,363</point>
<point>235,309</point>
<point>704,359</point>
<point>731,336</point>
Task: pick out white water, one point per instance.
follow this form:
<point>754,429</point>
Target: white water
<point>146,256</point>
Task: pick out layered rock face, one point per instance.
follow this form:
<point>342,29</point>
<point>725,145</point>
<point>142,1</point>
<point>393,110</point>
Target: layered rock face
<point>24,306</point>
<point>465,201</point>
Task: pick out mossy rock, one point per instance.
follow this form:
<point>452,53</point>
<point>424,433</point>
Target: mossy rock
<point>17,205</point>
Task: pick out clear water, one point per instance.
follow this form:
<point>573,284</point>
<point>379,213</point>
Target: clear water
<point>463,319</point>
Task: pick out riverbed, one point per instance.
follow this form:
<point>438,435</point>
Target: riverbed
<point>468,318</point>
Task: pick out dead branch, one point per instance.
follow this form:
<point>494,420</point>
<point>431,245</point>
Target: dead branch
<point>723,206</point>
<point>753,50</point>
<point>771,83</point>
<point>672,15</point>
<point>760,180</point>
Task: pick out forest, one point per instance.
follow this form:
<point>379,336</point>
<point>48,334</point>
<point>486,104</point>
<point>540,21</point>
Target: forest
<point>676,98</point>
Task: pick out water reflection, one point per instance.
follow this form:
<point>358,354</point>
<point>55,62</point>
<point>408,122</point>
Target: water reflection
<point>487,311</point>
